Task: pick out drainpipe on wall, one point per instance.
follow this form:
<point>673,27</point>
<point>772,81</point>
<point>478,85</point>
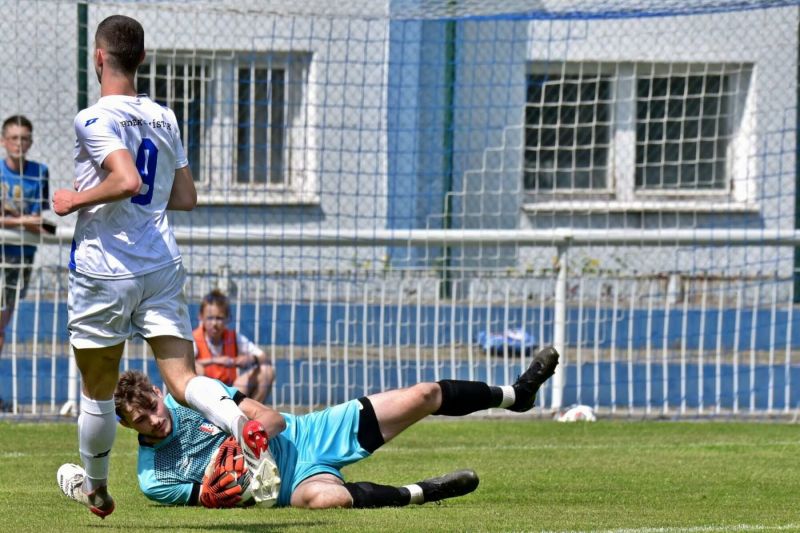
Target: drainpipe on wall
<point>447,143</point>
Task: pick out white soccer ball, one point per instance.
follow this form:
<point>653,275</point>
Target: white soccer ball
<point>577,413</point>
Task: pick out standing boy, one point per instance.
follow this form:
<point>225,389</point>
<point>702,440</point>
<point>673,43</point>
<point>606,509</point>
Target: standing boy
<point>24,196</point>
<point>126,275</point>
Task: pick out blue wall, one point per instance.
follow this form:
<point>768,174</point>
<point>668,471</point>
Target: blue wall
<point>410,320</point>
<point>409,375</point>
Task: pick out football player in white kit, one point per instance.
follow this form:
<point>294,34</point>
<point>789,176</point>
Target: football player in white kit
<point>126,275</point>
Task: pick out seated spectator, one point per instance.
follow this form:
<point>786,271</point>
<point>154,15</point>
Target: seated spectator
<point>224,354</point>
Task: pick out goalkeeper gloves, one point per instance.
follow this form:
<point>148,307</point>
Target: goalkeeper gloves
<point>230,457</point>
<point>219,489</point>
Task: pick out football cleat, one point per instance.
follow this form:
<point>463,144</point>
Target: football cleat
<point>527,385</point>
<point>450,485</point>
<point>265,481</point>
<point>70,480</point>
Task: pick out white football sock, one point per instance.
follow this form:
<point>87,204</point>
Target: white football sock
<point>97,428</point>
<point>509,396</point>
<point>211,399</point>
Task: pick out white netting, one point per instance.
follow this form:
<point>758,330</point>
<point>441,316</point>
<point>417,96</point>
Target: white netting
<point>316,120</point>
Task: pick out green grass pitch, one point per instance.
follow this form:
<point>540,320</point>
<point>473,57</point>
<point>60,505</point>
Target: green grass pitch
<point>535,475</point>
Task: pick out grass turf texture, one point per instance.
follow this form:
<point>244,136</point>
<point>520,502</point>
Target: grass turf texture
<point>535,475</point>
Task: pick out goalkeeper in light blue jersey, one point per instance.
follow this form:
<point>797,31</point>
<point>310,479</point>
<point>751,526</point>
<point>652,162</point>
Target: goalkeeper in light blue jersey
<point>186,460</point>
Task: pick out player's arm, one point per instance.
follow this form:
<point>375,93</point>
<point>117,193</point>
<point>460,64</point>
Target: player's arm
<point>123,181</point>
<point>271,419</point>
<point>222,360</point>
<point>32,223</point>
<point>183,196</point>
<point>250,353</point>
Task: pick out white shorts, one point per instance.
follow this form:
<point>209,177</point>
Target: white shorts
<point>106,312</point>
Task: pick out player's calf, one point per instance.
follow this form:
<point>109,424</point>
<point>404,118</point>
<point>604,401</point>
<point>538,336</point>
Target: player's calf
<point>370,495</point>
<point>459,398</point>
<point>452,485</point>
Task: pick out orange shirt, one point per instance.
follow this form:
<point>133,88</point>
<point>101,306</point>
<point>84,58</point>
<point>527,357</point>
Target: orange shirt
<point>225,374</point>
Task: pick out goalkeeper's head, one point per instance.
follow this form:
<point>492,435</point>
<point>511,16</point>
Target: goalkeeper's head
<point>140,406</point>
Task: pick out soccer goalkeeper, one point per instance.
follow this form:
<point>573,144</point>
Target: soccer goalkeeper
<point>185,460</point>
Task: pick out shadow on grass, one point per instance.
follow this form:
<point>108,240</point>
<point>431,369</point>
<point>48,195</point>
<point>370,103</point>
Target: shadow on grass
<point>252,525</point>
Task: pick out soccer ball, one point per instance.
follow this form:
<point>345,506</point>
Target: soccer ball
<point>577,413</point>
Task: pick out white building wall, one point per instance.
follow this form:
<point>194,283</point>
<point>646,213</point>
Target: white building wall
<point>490,138</point>
<point>359,140</point>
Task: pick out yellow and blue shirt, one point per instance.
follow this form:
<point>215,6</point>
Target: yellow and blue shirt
<point>24,193</point>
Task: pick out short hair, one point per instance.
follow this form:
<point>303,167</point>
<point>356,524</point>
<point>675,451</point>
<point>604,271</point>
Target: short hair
<point>134,389</point>
<point>123,39</point>
<point>215,297</point>
<point>17,120</point>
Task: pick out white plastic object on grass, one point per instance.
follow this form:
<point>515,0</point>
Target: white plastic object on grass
<point>577,413</point>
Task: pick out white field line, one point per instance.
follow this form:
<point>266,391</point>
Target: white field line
<point>692,529</point>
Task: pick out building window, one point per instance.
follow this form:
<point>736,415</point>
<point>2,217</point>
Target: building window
<point>682,131</point>
<point>261,100</point>
<point>567,125</point>
<point>243,122</point>
<point>183,86</point>
<point>650,134</point>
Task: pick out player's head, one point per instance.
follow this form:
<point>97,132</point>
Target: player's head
<point>17,136</point>
<point>140,405</point>
<point>119,45</point>
<point>214,314</point>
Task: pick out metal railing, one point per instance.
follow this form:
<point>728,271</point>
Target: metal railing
<point>645,343</point>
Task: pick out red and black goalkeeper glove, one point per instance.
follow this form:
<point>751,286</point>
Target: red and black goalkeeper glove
<point>230,457</point>
<point>218,489</point>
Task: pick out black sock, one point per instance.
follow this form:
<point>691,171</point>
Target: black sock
<point>464,397</point>
<point>366,495</point>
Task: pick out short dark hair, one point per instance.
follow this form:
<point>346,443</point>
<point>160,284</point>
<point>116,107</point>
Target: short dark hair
<point>17,120</point>
<point>133,390</point>
<point>123,39</point>
<point>215,297</point>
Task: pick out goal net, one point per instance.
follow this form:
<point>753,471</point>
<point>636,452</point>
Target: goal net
<point>399,191</point>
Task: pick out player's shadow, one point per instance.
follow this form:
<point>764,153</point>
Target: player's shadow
<point>265,525</point>
<point>173,522</point>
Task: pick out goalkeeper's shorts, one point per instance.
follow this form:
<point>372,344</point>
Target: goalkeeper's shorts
<point>321,443</point>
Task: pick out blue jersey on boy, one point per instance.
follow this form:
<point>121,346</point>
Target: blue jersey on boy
<point>24,193</point>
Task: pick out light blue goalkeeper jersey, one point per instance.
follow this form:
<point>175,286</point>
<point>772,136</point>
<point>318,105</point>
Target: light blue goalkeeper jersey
<point>315,443</point>
<point>169,470</point>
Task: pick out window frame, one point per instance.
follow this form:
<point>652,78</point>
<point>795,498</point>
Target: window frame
<point>591,70</point>
<point>621,193</point>
<point>216,177</point>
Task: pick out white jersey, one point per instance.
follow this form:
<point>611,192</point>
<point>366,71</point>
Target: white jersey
<point>129,237</point>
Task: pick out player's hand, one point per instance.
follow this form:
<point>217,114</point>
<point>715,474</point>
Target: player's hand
<point>230,457</point>
<point>245,361</point>
<point>63,202</point>
<point>219,490</point>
